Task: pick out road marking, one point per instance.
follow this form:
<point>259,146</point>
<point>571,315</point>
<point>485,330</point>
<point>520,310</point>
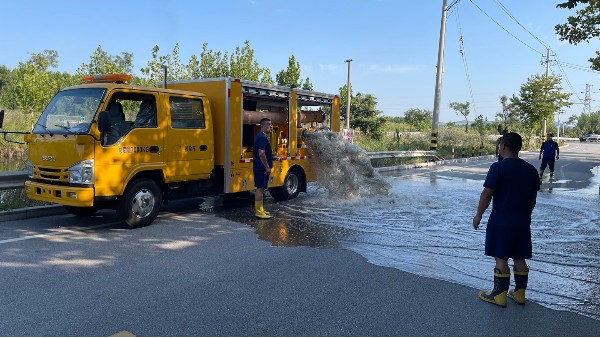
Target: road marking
<point>123,334</point>
<point>53,233</point>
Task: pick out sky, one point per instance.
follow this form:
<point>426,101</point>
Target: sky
<point>393,44</point>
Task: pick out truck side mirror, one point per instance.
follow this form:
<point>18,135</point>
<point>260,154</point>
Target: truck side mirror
<point>103,122</point>
<point>1,118</point>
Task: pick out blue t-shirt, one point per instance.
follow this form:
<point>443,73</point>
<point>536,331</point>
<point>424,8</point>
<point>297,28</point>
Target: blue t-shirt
<point>549,148</point>
<point>513,180</point>
<point>261,141</point>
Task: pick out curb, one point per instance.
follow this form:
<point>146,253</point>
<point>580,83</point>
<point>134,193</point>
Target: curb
<point>434,163</point>
<point>32,212</point>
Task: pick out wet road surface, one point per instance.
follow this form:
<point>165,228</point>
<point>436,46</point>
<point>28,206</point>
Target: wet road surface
<point>424,227</point>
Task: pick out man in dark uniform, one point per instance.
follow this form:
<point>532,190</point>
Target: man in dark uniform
<point>550,152</point>
<point>504,131</point>
<point>262,164</point>
<point>513,184</point>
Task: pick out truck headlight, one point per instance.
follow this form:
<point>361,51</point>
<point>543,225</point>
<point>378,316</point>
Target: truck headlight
<point>82,172</point>
<point>29,169</point>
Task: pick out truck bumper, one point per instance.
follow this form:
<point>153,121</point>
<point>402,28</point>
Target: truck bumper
<point>73,196</point>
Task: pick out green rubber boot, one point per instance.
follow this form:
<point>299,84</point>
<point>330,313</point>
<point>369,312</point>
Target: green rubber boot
<point>498,294</point>
<point>518,294</point>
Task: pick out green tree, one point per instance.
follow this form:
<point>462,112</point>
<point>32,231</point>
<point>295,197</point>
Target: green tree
<point>480,124</point>
<point>290,77</point>
<point>539,98</point>
<point>34,84</point>
<point>420,119</point>
<point>582,27</point>
<point>462,109</point>
<point>103,63</point>
<point>6,77</point>
<point>363,113</point>
<point>243,65</point>
<point>307,84</point>
<point>588,123</point>
<point>210,64</point>
<point>507,116</point>
<point>153,73</point>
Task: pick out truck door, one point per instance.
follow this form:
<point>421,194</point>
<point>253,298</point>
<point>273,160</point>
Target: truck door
<point>134,141</point>
<point>190,145</point>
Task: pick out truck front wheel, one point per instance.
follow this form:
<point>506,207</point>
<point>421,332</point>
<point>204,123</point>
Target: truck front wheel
<point>140,203</point>
<point>291,186</point>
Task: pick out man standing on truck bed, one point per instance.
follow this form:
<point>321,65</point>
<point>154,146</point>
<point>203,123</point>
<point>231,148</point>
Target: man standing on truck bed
<point>262,163</point>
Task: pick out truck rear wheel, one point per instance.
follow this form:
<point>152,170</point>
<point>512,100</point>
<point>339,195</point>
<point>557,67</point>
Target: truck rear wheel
<point>140,203</point>
<point>290,188</point>
<point>81,211</point>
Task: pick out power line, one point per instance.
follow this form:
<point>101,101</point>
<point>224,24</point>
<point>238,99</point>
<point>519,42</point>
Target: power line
<point>578,67</point>
<point>560,64</point>
<point>464,59</point>
<point>542,43</point>
<point>517,21</point>
<point>506,30</point>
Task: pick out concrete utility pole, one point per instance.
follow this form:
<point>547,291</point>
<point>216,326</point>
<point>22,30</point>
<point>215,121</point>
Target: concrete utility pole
<point>349,61</point>
<point>547,73</point>
<point>438,80</point>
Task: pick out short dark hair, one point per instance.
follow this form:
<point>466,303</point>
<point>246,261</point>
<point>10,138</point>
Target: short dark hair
<point>264,120</point>
<point>513,141</point>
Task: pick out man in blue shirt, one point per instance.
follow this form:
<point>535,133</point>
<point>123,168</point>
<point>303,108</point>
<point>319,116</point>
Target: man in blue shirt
<point>550,152</point>
<point>262,164</point>
<point>512,184</point>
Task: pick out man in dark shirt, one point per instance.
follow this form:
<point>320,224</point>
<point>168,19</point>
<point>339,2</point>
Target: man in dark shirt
<point>262,164</point>
<point>504,131</point>
<point>513,184</point>
<point>550,152</point>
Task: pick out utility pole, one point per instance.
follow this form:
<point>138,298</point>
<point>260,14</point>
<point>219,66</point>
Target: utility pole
<point>558,129</point>
<point>349,61</point>
<point>547,73</point>
<point>438,80</point>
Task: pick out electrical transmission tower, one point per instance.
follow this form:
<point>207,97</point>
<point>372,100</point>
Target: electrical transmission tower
<point>587,106</point>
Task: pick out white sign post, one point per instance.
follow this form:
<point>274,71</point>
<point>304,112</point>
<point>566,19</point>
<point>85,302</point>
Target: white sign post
<point>348,135</point>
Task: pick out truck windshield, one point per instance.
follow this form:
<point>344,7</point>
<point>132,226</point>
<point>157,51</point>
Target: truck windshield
<point>70,111</point>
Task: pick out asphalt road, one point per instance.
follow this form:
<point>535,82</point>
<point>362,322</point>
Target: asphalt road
<point>573,169</point>
<point>195,274</point>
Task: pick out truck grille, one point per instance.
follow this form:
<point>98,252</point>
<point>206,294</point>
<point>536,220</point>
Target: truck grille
<point>51,174</point>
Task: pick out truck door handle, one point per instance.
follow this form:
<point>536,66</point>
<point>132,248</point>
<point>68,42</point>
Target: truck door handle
<point>154,149</point>
<point>203,147</point>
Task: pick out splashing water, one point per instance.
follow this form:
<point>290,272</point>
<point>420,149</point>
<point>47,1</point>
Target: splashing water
<point>344,169</point>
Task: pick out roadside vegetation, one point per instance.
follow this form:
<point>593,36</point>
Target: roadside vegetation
<point>27,89</point>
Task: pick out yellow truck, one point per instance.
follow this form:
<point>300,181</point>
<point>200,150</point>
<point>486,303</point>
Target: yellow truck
<point>109,144</point>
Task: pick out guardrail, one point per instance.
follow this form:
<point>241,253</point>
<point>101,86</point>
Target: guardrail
<point>12,179</point>
<point>403,154</point>
<point>16,179</point>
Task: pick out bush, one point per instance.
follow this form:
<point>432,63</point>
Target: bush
<point>13,155</point>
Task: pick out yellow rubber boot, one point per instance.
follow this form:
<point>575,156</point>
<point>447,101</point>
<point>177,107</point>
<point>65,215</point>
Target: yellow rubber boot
<point>260,211</point>
<point>518,294</point>
<point>498,294</point>
<point>262,207</point>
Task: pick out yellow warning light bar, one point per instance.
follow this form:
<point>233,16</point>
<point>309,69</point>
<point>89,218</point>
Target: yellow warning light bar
<point>118,78</point>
